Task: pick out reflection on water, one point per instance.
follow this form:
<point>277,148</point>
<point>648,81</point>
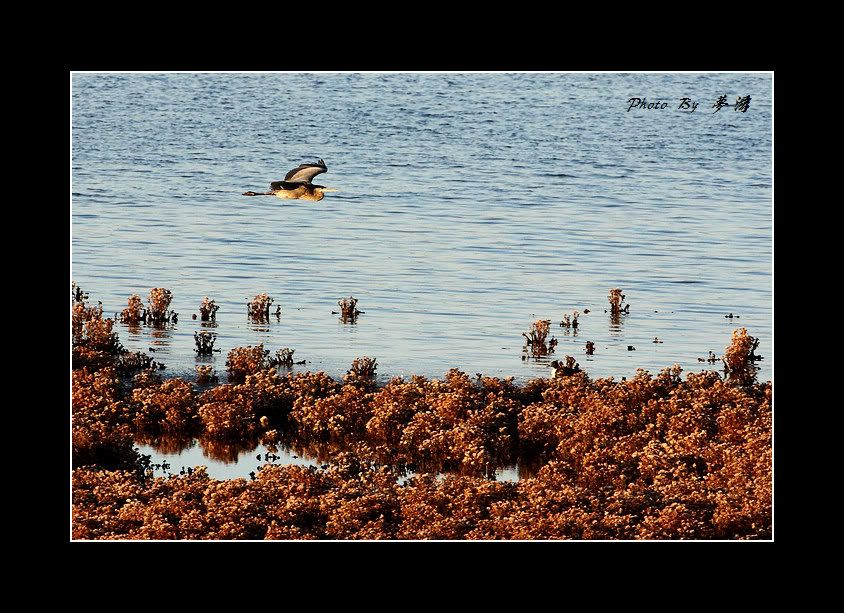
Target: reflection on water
<point>132,328</point>
<point>225,451</point>
<point>166,445</point>
<point>616,321</point>
<point>229,460</point>
<point>161,334</point>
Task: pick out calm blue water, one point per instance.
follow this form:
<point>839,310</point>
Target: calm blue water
<point>469,206</point>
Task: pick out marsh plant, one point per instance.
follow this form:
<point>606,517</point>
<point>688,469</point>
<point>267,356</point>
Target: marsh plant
<point>258,308</point>
<point>348,309</point>
<point>536,340</point>
<point>157,313</point>
<point>95,345</point>
<point>204,342</point>
<point>208,310</point>
<point>616,299</point>
<point>243,361</point>
<point>284,357</point>
<point>133,314</point>
<point>739,358</point>
<point>205,375</point>
<point>129,362</point>
<point>566,369</point>
<point>590,348</point>
<point>90,332</point>
<point>77,294</point>
<point>362,373</point>
<point>570,322</point>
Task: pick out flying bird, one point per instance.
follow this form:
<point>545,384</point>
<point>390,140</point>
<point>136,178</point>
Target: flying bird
<point>297,184</point>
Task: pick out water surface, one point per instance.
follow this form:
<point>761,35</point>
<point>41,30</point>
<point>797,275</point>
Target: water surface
<point>469,206</point>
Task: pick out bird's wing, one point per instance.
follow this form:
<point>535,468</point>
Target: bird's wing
<point>275,185</point>
<point>306,172</point>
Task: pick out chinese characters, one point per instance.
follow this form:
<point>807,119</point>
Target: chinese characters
<point>742,103</point>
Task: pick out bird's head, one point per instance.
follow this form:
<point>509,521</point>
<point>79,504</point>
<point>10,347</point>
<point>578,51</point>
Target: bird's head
<point>321,190</point>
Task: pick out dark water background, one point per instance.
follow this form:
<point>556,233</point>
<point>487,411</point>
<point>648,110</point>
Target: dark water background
<point>469,206</point>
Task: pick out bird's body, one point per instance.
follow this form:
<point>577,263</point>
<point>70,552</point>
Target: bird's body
<point>297,184</point>
<point>301,191</point>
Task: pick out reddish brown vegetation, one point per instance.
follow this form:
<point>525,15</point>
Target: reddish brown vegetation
<point>536,341</point>
<point>653,457</point>
<point>348,309</point>
<point>739,358</point>
<point>205,375</point>
<point>159,301</point>
<point>258,308</point>
<point>204,342</point>
<point>133,314</point>
<point>94,344</point>
<point>616,298</point>
<point>243,361</point>
<point>208,310</point>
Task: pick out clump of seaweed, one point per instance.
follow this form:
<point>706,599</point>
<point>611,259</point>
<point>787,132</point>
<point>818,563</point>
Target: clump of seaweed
<point>258,308</point>
<point>208,310</point>
<point>616,298</point>
<point>169,407</point>
<point>270,438</point>
<point>348,309</point>
<point>226,415</point>
<point>538,333</point>
<point>243,361</point>
<point>204,341</point>
<point>565,370</point>
<point>77,294</point>
<point>233,411</point>
<point>284,357</point>
<point>205,375</point>
<point>159,300</point>
<point>739,358</point>
<point>146,378</point>
<point>364,367</point>
<point>100,420</point>
<point>133,361</point>
<point>94,344</point>
<point>362,373</point>
<point>570,321</point>
<point>133,314</point>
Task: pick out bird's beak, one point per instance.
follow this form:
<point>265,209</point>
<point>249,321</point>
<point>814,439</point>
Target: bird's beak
<point>330,189</point>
